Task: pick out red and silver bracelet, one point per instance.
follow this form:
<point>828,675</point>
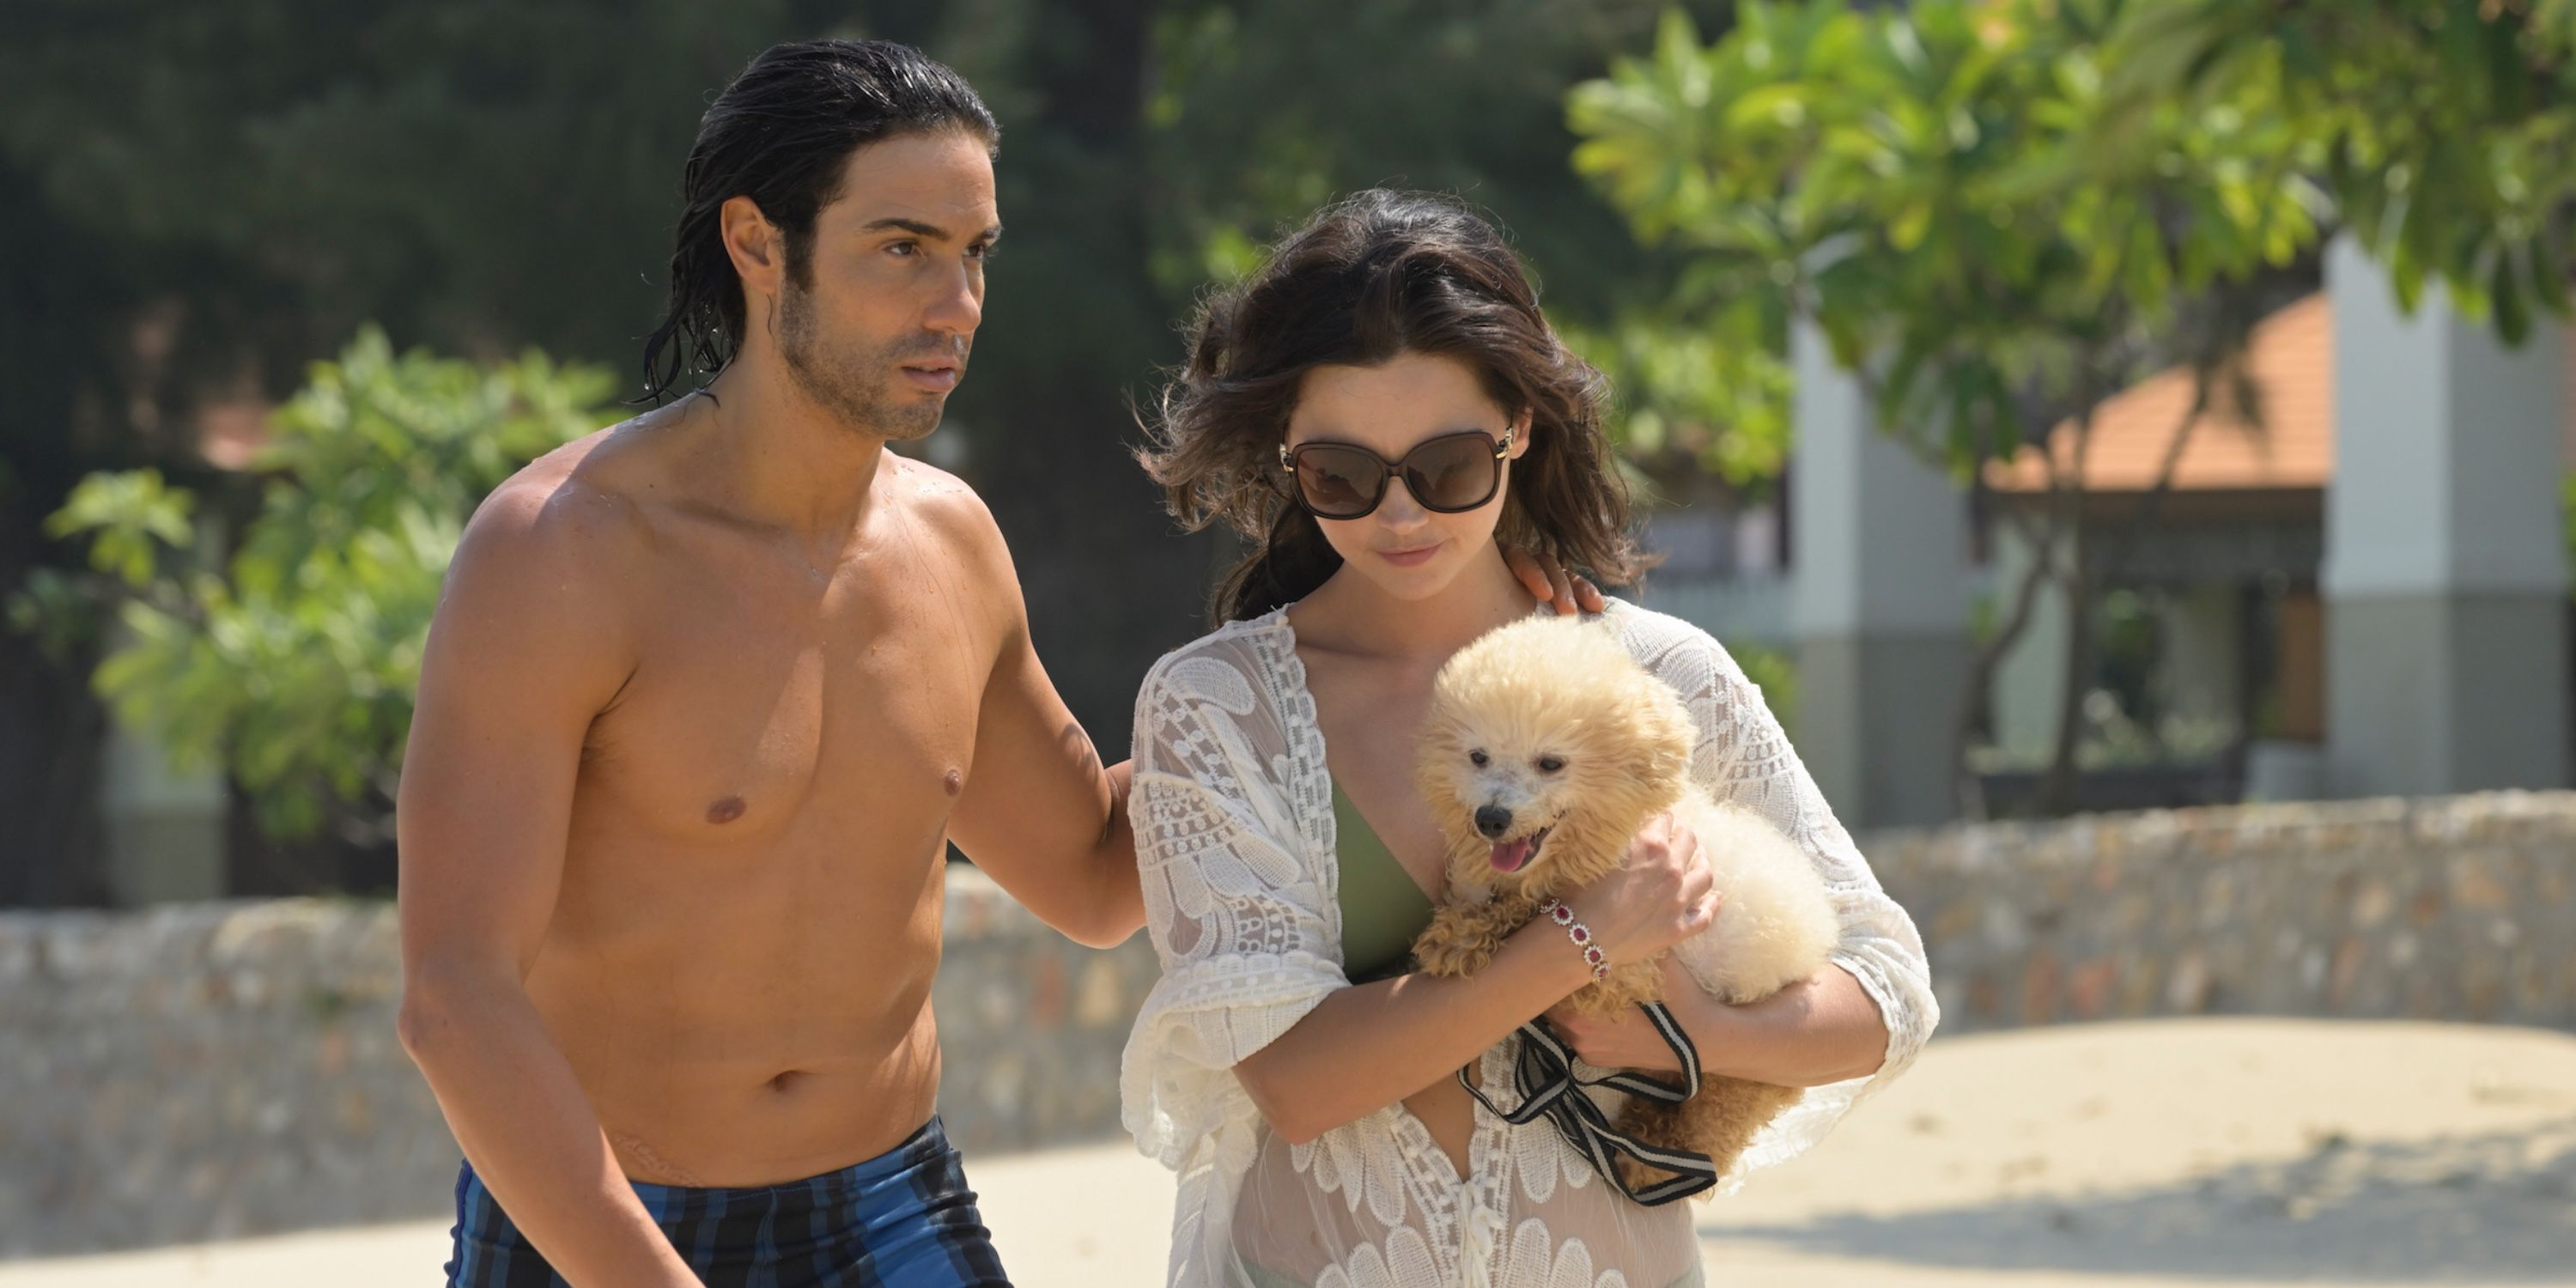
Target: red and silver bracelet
<point>1581,935</point>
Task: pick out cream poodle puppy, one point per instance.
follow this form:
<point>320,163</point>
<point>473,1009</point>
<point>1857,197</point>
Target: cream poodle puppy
<point>1547,748</point>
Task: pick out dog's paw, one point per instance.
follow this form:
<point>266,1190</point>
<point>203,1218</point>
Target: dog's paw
<point>1455,944</point>
<point>1449,959</point>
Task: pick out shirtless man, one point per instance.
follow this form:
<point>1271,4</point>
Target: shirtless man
<point>706,694</point>
<point>705,697</point>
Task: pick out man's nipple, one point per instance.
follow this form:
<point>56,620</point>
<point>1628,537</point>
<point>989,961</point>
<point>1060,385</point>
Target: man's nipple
<point>726,810</point>
<point>955,782</point>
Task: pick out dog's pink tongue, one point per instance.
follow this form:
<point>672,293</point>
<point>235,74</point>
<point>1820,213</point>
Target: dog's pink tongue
<point>1510,855</point>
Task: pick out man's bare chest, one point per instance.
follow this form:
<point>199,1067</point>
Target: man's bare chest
<point>746,720</point>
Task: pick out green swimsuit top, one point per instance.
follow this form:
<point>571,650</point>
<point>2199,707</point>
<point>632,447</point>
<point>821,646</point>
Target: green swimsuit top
<point>1383,911</point>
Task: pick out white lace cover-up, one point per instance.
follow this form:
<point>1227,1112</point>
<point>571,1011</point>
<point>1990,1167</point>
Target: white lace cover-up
<point>1234,836</point>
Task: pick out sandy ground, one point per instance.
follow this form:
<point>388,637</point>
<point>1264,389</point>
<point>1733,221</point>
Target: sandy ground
<point>2206,1153</point>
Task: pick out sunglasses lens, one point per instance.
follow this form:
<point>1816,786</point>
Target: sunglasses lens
<point>1338,482</point>
<point>1452,474</point>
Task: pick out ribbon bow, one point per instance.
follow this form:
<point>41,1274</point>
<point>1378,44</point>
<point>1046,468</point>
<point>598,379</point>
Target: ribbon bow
<point>1548,1085</point>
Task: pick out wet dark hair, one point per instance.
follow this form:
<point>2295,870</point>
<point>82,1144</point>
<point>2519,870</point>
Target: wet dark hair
<point>1372,276</point>
<point>780,135</point>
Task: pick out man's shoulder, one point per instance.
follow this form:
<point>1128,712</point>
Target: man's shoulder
<point>942,500</point>
<point>559,529</point>
<point>573,498</point>
<point>539,600</point>
<point>964,535</point>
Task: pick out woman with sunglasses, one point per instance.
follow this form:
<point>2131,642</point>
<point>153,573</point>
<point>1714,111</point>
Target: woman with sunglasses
<point>1375,409</point>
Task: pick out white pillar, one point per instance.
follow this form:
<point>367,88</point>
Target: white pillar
<point>1878,562</point>
<point>2445,572</point>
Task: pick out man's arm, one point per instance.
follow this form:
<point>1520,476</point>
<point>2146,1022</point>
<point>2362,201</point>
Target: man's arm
<point>524,650</point>
<point>1040,814</point>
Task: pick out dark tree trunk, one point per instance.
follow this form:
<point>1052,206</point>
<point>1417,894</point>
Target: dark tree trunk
<point>1067,342</point>
<point>2056,794</point>
<point>51,735</point>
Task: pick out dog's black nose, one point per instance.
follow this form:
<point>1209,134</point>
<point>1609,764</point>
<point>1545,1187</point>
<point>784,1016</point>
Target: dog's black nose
<point>1493,820</point>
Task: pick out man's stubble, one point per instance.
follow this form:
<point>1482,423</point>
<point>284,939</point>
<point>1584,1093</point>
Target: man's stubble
<point>848,381</point>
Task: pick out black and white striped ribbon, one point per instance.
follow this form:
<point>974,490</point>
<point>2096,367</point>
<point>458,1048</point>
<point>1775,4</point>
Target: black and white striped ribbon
<point>1548,1085</point>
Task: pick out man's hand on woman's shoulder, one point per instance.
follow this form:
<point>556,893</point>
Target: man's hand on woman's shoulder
<point>1549,580</point>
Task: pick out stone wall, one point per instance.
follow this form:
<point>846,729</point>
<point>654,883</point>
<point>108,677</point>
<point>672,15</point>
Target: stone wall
<point>204,1070</point>
<point>1031,1024</point>
<point>211,1070</point>
<point>2452,908</point>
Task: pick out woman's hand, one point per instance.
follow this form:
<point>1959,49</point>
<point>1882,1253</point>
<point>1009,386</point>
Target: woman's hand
<point>1661,896</point>
<point>1628,1041</point>
<point>1548,580</point>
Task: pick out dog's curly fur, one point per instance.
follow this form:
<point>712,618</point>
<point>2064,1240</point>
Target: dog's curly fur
<point>1551,722</point>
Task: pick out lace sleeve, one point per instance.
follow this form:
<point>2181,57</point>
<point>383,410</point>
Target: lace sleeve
<point>1744,757</point>
<point>1238,913</point>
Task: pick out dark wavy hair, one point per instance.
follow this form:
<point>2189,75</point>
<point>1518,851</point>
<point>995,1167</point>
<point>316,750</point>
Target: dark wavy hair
<point>780,135</point>
<point>1367,278</point>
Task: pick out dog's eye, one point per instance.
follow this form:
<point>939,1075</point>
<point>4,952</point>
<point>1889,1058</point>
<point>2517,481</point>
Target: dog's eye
<point>1477,758</point>
<point>1550,764</point>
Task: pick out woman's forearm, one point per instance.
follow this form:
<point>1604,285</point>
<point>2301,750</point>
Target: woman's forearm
<point>1371,1045</point>
<point>1820,1030</point>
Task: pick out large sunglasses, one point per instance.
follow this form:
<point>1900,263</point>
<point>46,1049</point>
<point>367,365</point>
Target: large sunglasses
<point>1450,474</point>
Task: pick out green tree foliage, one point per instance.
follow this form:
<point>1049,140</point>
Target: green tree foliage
<point>1690,392</point>
<point>1921,182</point>
<point>1928,185</point>
<point>1263,109</point>
<point>480,173</point>
<point>2001,212</point>
<point>197,200</point>
<point>2445,130</point>
<point>292,662</point>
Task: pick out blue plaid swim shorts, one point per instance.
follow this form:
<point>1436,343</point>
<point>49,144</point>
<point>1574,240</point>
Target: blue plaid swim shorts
<point>904,1219</point>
